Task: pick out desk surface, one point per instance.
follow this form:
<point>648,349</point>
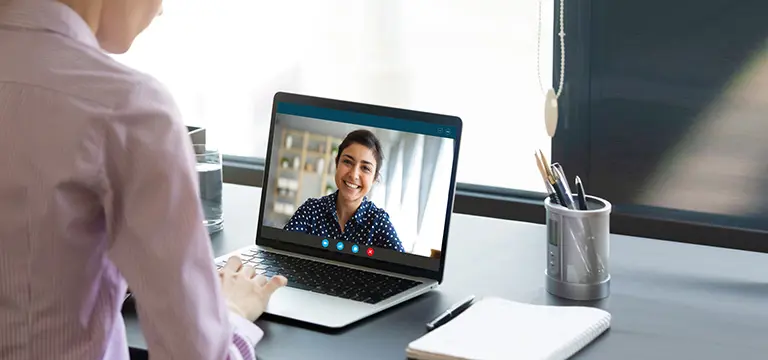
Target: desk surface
<point>668,300</point>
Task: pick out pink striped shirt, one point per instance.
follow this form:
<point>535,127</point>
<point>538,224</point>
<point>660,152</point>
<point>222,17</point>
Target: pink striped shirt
<point>98,187</point>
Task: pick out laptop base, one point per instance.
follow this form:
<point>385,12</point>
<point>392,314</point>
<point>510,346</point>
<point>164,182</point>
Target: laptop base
<point>327,310</point>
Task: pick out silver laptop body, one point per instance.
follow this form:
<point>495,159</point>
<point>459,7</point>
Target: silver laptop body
<point>338,310</point>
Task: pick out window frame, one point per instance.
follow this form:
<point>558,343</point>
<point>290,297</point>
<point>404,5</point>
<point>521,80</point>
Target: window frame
<point>571,147</point>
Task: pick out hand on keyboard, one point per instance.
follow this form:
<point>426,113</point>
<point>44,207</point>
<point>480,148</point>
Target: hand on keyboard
<point>325,278</point>
<point>246,293</point>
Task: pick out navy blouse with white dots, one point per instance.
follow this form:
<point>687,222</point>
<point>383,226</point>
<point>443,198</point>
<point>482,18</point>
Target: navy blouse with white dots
<point>370,226</point>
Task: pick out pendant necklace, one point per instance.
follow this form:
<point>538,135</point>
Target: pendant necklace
<point>551,96</point>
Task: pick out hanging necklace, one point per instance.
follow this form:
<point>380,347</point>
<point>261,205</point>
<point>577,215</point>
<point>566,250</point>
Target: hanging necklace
<point>551,96</point>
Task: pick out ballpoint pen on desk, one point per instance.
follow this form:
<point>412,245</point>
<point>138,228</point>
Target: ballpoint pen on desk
<point>451,313</point>
<point>581,194</point>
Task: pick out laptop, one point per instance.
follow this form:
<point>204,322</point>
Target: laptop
<point>355,208</point>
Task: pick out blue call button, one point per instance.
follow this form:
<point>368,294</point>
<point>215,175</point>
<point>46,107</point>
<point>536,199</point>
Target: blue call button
<point>339,246</point>
<point>355,248</point>
<point>325,243</point>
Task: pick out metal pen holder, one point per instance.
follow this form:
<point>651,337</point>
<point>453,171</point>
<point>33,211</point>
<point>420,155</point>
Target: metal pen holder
<point>578,250</point>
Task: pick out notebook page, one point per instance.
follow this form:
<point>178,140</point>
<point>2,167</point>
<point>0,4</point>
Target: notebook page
<point>495,328</point>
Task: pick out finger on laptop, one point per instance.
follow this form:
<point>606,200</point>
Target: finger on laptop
<point>233,264</point>
<point>275,283</point>
<point>249,271</point>
<point>260,280</point>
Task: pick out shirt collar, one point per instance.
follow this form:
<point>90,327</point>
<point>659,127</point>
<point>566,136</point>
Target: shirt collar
<point>47,15</point>
<point>330,207</point>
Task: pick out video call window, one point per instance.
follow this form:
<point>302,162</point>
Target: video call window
<point>372,187</point>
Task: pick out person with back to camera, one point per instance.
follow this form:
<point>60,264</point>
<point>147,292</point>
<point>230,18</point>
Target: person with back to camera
<point>347,214</point>
<point>98,188</point>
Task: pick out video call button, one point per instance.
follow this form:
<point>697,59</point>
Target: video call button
<point>369,252</point>
<point>339,246</point>
<point>355,248</point>
<point>325,243</point>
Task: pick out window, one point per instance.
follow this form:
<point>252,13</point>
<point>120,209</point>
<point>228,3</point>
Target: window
<point>670,124</point>
<point>223,61</point>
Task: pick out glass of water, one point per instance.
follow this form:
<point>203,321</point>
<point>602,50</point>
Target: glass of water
<point>210,174</point>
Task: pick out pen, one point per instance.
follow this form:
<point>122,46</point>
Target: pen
<point>559,193</point>
<point>451,313</point>
<point>560,170</point>
<point>581,194</point>
<point>561,183</point>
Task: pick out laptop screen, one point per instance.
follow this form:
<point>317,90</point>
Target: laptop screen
<point>364,185</point>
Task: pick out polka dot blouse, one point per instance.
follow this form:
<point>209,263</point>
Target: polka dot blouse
<point>370,226</point>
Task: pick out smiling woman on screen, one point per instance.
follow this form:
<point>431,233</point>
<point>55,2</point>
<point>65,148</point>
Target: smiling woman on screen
<point>347,214</point>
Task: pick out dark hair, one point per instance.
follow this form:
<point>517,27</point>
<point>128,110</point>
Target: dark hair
<point>367,139</point>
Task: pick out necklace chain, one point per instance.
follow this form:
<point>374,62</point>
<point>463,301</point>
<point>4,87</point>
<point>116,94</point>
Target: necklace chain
<point>562,50</point>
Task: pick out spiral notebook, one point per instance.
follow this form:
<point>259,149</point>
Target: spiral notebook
<point>495,328</point>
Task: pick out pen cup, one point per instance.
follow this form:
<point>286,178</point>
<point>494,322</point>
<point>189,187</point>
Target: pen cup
<point>578,250</point>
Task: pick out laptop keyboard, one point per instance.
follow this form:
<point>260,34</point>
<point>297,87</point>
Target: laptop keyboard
<point>326,278</point>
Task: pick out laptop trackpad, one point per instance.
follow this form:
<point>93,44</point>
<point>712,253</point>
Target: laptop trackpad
<point>316,308</point>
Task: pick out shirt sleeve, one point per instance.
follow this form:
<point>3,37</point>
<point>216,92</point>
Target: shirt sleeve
<point>156,237</point>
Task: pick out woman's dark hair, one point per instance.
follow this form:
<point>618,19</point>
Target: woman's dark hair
<point>367,139</point>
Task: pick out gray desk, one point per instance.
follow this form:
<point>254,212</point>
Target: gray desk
<point>669,300</point>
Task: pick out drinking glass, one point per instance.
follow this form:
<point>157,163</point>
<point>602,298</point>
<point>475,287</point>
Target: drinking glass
<point>210,174</point>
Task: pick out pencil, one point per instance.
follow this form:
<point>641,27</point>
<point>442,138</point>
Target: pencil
<point>549,179</point>
<point>547,167</point>
<point>543,172</point>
